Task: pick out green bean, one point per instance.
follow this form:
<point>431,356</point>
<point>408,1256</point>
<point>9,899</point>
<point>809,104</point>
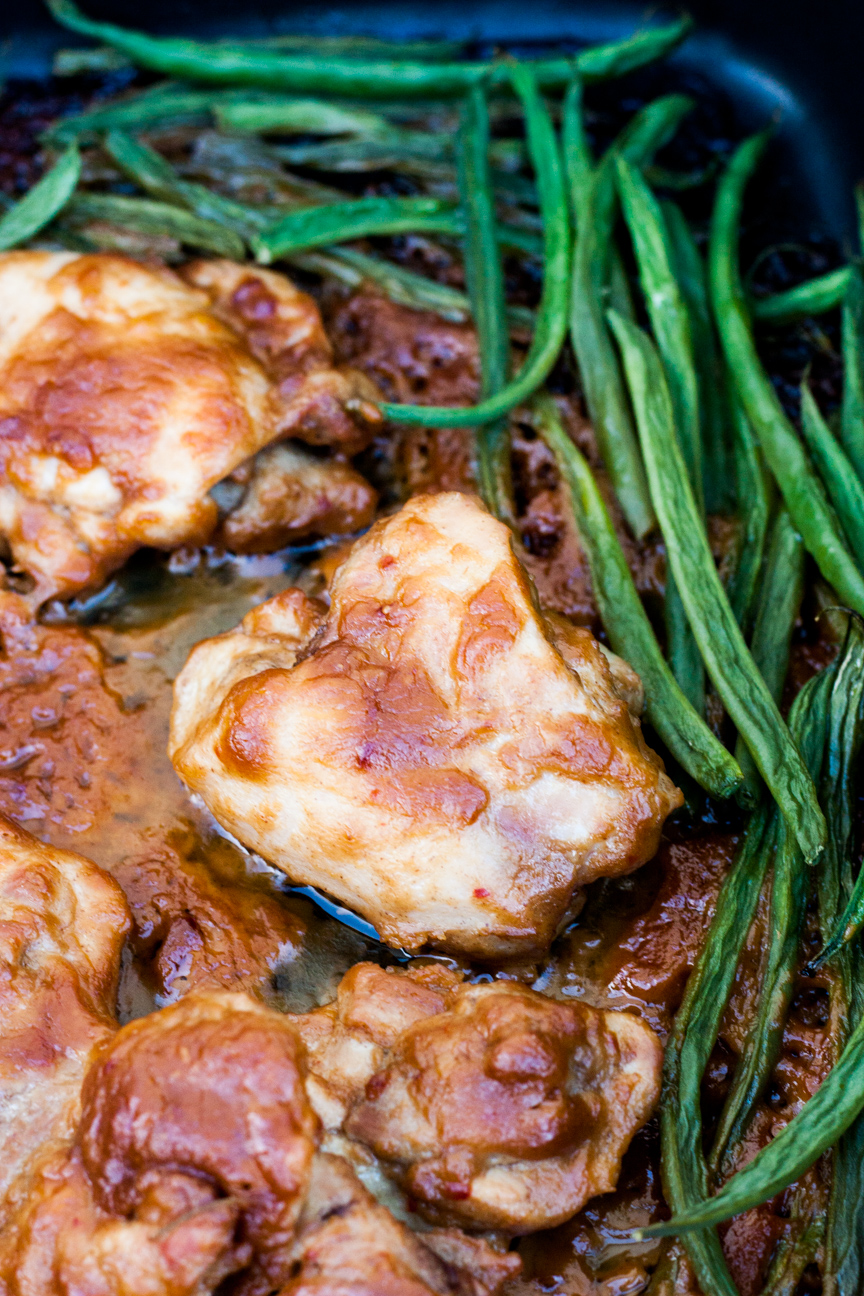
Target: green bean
<point>790,892</point>
<point>780,444</point>
<point>781,591</point>
<point>713,408</point>
<point>297,116</point>
<point>578,162</point>
<point>724,652</point>
<point>753,508</point>
<point>78,62</point>
<point>365,79</point>
<point>485,278</point>
<point>686,735</point>
<point>552,313</point>
<point>163,105</point>
<point>694,1033</point>
<point>314,226</point>
<point>74,62</point>
<point>814,1129</point>
<point>149,217</point>
<point>814,297</point>
<point>852,411</point>
<point>670,320</point>
<point>667,311</point>
<point>839,692</point>
<point>593,201</point>
<point>790,1261</point>
<point>151,171</point>
<point>841,481</point>
<point>42,203</point>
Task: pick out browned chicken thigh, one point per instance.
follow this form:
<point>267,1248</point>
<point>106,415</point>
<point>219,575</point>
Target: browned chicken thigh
<point>126,394</point>
<point>432,751</point>
<point>491,1105</point>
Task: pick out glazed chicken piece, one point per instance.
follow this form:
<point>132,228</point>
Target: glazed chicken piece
<point>62,924</point>
<point>491,1106</point>
<point>203,923</point>
<point>287,493</point>
<point>432,751</point>
<point>189,1162</point>
<point>348,1245</point>
<point>127,393</point>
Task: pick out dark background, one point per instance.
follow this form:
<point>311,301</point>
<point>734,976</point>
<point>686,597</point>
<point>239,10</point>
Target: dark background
<point>799,61</point>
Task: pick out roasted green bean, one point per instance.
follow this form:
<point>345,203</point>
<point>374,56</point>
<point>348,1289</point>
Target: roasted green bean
<point>552,313</point>
<point>814,297</point>
<point>686,735</point>
<point>42,203</point>
<point>234,64</point>
<point>724,652</point>
<point>781,446</point>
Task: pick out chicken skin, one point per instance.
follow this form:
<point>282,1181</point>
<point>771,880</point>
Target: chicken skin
<point>432,751</point>
<point>492,1106</point>
<point>126,394</point>
<point>62,924</point>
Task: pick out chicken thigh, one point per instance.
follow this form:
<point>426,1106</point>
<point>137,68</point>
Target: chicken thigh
<point>127,393</point>
<point>62,924</point>
<point>432,751</point>
<point>491,1106</point>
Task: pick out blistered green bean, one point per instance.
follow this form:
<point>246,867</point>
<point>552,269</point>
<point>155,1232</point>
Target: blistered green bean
<point>315,226</point>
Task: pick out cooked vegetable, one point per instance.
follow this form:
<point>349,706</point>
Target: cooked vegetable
<point>314,226</point>
<point>239,64</point>
<point>691,271</point>
<point>780,593</point>
<point>753,509</point>
<point>782,448</point>
<point>552,313</point>
<point>852,413</point>
<point>832,701</point>
<point>685,1172</point>
<point>814,297</point>
<point>485,277</point>
<point>683,731</point>
<point>840,478</point>
<point>720,641</point>
<point>593,199</point>
<point>670,321</point>
<point>157,218</point>
<point>42,203</point>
